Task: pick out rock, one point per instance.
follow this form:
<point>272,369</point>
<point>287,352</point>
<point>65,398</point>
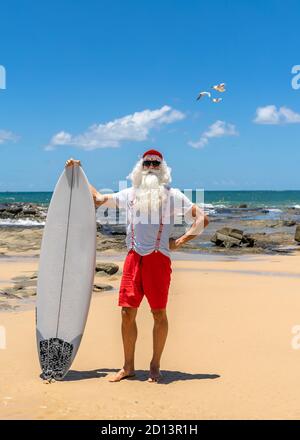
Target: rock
<point>297,234</point>
<point>5,307</point>
<point>18,292</point>
<point>3,207</point>
<point>14,209</point>
<point>25,283</point>
<point>236,233</point>
<point>29,211</point>
<point>243,205</point>
<point>281,223</point>
<point>109,268</point>
<point>8,293</point>
<point>101,287</point>
<point>289,223</point>
<point>111,229</point>
<point>19,286</point>
<point>286,223</point>
<point>285,249</point>
<point>28,292</point>
<point>248,240</point>
<point>230,237</point>
<point>23,210</point>
<point>225,240</point>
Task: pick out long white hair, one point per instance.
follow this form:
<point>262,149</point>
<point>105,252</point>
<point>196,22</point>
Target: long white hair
<point>150,185</point>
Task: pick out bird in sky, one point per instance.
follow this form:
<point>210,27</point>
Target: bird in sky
<point>219,87</point>
<point>201,94</point>
<point>216,99</point>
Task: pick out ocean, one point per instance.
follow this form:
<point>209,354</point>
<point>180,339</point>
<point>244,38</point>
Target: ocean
<point>222,205</point>
<point>253,199</point>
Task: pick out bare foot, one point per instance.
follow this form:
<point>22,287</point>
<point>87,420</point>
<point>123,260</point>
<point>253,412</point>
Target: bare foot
<point>122,374</point>
<point>155,375</point>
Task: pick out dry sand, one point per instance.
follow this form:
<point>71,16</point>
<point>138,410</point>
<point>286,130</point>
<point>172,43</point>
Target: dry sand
<point>228,353</point>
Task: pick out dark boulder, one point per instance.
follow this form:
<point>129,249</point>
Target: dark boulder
<point>297,234</point>
<point>108,268</point>
<point>101,287</point>
<point>14,209</point>
<point>230,237</point>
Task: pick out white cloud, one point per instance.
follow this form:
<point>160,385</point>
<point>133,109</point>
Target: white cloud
<point>217,129</point>
<point>61,138</point>
<point>270,115</point>
<point>134,127</point>
<point>7,136</point>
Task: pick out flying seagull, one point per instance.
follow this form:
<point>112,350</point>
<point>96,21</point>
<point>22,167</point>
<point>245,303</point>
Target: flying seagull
<point>201,94</point>
<point>216,99</point>
<point>219,87</point>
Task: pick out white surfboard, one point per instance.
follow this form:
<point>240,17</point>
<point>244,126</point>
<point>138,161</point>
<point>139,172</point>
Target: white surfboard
<point>66,273</point>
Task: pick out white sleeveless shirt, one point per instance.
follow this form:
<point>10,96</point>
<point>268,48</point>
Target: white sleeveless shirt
<point>142,230</point>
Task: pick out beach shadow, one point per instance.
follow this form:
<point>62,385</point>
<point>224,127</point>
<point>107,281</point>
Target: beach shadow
<point>74,375</point>
<point>173,376</point>
<point>140,375</point>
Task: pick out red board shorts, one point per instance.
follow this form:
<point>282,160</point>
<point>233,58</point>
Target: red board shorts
<point>148,275</point>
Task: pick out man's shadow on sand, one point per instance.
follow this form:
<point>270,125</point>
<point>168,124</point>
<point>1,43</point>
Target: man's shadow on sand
<point>140,375</point>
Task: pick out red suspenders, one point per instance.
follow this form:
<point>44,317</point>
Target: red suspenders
<point>161,224</point>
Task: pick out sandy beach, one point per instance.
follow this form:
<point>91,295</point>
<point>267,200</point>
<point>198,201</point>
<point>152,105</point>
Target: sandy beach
<point>149,126</point>
<point>229,351</point>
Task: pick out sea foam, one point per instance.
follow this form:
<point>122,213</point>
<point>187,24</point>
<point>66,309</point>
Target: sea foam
<point>20,222</point>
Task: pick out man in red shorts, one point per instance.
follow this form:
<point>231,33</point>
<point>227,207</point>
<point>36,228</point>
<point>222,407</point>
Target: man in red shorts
<point>151,207</point>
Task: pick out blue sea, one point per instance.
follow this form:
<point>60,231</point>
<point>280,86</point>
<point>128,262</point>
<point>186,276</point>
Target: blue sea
<point>253,199</point>
<point>222,205</point>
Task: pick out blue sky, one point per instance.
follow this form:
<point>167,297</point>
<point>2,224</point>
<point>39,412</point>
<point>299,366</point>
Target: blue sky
<point>104,80</point>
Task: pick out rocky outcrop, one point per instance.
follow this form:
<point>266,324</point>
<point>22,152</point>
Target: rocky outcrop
<point>230,237</point>
<point>18,240</point>
<point>297,234</point>
<point>281,223</point>
<point>23,210</point>
<point>26,286</point>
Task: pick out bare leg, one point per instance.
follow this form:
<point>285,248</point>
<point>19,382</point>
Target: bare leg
<point>129,336</point>
<point>160,332</point>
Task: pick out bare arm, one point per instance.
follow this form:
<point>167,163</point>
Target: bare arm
<point>99,199</point>
<point>102,199</point>
<point>201,221</point>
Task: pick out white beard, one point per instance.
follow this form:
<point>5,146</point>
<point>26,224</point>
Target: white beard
<point>150,193</point>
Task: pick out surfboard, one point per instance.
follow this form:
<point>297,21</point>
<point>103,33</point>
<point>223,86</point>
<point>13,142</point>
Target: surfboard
<point>65,273</point>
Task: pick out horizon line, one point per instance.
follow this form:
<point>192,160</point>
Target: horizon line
<point>274,190</point>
